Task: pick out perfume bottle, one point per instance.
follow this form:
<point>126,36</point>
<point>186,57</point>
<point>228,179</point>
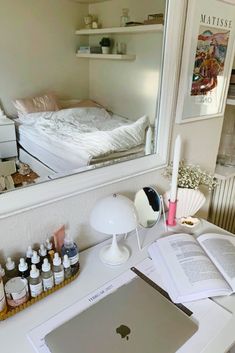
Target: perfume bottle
<point>125,17</point>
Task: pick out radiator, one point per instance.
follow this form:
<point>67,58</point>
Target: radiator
<point>222,207</point>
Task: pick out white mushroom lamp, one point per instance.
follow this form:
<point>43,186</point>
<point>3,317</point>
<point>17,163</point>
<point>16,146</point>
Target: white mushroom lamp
<point>115,214</point>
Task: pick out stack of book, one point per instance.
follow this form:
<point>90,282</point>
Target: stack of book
<point>89,50</point>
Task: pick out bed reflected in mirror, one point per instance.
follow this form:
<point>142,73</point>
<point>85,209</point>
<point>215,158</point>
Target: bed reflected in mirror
<point>115,122</point>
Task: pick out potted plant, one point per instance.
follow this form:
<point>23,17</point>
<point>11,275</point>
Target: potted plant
<point>189,198</point>
<point>105,45</point>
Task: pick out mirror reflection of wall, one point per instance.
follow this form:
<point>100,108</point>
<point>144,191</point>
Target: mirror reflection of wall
<point>148,205</point>
<point>113,116</point>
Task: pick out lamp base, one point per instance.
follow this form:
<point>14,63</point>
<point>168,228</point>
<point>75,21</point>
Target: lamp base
<point>114,257</point>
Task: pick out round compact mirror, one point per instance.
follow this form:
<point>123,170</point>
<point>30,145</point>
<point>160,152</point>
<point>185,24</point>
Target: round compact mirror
<point>148,205</point>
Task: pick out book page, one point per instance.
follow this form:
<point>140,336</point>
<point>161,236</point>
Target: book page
<point>191,273</point>
<point>221,250</point>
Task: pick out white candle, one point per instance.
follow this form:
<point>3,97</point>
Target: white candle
<point>175,170</point>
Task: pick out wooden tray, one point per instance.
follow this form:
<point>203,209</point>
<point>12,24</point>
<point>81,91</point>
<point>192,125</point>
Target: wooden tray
<point>12,311</point>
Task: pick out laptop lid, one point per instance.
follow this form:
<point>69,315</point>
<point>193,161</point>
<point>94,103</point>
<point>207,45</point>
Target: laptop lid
<point>135,318</point>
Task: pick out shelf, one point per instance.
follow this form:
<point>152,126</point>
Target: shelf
<point>122,30</point>
<point>230,101</point>
<point>106,56</point>
<point>224,173</point>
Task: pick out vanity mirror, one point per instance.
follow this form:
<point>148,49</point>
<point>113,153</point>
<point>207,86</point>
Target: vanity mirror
<point>140,86</point>
<point>148,204</point>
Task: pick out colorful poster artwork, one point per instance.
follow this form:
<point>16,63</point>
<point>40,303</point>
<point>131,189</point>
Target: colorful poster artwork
<point>209,60</point>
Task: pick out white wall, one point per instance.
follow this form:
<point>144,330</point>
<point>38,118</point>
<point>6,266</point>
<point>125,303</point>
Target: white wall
<point>128,88</point>
<point>38,45</point>
<point>200,140</point>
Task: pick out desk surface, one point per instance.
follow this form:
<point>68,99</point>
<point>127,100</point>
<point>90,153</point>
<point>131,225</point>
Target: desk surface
<point>93,275</point>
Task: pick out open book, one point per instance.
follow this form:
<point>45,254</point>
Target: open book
<point>193,268</point>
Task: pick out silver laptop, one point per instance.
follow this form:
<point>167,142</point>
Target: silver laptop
<point>135,318</point>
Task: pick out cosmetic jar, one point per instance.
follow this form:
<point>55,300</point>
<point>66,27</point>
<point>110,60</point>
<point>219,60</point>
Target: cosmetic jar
<point>16,290</point>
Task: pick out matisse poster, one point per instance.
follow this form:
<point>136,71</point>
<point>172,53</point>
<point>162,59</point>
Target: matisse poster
<point>207,59</point>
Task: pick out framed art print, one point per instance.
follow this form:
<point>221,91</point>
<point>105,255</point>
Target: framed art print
<point>207,58</point>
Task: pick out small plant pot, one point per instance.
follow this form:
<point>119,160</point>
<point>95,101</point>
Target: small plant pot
<point>105,50</point>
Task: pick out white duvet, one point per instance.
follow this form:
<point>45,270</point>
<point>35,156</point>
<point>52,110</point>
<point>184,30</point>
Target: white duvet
<point>92,131</point>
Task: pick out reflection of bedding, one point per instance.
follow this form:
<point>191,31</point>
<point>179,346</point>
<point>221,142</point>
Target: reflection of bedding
<point>82,133</point>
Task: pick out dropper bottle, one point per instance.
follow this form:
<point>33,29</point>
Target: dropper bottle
<point>50,250</point>
<point>35,260</point>
<point>11,270</point>
<point>47,275</point>
<point>67,267</point>
<point>29,254</point>
<point>3,274</point>
<point>58,269</point>
<point>42,253</point>
<point>3,305</point>
<point>24,271</point>
<point>35,282</point>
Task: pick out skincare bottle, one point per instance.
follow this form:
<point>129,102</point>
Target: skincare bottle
<point>35,260</point>
<point>3,274</point>
<point>35,282</point>
<point>24,271</point>
<point>58,269</point>
<point>70,248</point>
<point>42,253</point>
<point>29,254</point>
<point>67,267</point>
<point>3,305</point>
<point>47,275</point>
<point>50,250</point>
<point>11,270</point>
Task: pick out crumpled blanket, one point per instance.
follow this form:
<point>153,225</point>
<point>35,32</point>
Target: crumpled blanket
<point>91,130</point>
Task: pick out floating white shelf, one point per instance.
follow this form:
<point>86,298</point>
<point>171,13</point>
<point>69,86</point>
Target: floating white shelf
<point>231,101</point>
<point>122,30</point>
<point>106,56</point>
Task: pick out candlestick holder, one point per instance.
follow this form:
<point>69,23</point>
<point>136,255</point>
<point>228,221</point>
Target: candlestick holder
<point>171,214</point>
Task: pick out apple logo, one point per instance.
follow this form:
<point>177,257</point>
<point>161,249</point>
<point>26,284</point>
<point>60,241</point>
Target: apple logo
<point>124,331</point>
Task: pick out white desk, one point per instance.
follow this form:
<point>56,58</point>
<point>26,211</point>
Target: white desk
<point>93,275</point>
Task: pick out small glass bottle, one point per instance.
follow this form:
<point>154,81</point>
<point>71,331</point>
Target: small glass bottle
<point>67,267</point>
<point>35,260</point>
<point>50,250</point>
<point>58,269</point>
<point>3,274</point>
<point>47,275</point>
<point>35,282</point>
<point>125,17</point>
<point>42,253</point>
<point>3,304</point>
<point>24,271</point>
<point>70,248</point>
<point>29,254</point>
<point>11,270</point>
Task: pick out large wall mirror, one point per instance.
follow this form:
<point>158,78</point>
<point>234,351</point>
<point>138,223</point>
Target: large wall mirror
<point>118,127</point>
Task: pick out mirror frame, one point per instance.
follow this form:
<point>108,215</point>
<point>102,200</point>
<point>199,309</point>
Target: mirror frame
<point>27,198</point>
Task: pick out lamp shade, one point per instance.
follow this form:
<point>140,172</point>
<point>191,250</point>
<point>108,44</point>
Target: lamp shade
<point>115,214</point>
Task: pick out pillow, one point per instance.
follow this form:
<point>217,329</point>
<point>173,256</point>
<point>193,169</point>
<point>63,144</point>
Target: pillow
<point>84,103</point>
<point>44,103</point>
